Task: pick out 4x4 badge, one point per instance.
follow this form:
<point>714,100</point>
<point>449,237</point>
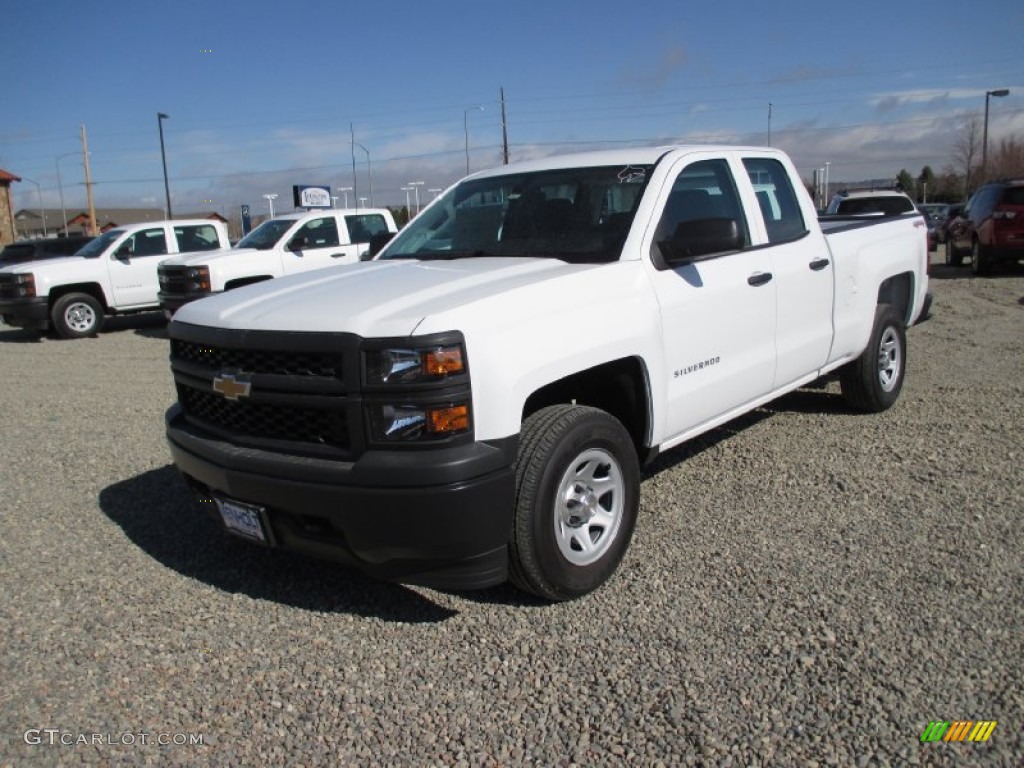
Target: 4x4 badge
<point>232,386</point>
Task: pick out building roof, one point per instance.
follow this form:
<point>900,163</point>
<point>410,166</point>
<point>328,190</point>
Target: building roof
<point>8,176</point>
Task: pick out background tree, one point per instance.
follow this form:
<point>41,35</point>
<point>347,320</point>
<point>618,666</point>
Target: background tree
<point>949,186</point>
<point>926,184</point>
<point>1007,161</point>
<point>906,182</point>
<point>967,148</point>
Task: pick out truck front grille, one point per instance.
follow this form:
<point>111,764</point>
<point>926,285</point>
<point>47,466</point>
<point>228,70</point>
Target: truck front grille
<point>287,363</point>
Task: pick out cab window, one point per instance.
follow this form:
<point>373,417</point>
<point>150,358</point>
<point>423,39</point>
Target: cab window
<point>320,233</point>
<point>363,227</point>
<point>776,199</point>
<point>200,237</point>
<point>147,242</point>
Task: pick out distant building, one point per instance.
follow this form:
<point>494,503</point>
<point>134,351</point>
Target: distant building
<point>40,222</point>
<point>7,233</point>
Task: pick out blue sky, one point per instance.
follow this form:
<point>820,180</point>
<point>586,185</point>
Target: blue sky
<point>262,95</point>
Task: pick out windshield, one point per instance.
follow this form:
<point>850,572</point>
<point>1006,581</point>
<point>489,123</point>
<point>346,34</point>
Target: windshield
<point>573,214</point>
<point>266,235</point>
<point>100,244</point>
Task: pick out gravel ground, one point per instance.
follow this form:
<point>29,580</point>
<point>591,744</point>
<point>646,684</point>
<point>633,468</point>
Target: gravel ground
<point>807,586</point>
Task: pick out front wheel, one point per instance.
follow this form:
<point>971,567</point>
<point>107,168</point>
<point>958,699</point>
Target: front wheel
<point>873,381</point>
<point>577,494</point>
<point>75,315</point>
<point>953,257</point>
<point>981,264</point>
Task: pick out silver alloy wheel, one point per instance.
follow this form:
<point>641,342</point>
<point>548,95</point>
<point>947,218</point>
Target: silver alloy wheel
<point>890,359</point>
<point>588,506</point>
<point>80,317</point>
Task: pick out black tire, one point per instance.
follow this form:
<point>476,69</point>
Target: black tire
<point>577,480</point>
<point>872,382</point>
<point>981,264</point>
<point>76,315</point>
<point>953,257</point>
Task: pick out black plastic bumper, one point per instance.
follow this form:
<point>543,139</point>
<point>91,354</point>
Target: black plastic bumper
<point>172,302</point>
<point>26,313</point>
<point>450,533</point>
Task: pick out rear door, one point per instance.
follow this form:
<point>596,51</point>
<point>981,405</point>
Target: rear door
<point>132,266</point>
<point>802,269</point>
<point>361,228</point>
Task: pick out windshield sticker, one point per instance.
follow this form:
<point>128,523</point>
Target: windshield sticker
<point>632,175</point>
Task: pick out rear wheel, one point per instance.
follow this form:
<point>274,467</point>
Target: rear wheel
<point>953,257</point>
<point>873,381</point>
<point>577,494</point>
<point>75,315</point>
<point>981,264</point>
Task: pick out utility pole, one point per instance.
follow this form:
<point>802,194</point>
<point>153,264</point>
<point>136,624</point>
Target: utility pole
<point>93,229</point>
<point>769,123</point>
<point>504,128</point>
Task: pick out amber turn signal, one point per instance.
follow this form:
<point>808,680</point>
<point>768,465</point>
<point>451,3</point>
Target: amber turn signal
<point>448,420</point>
<point>443,361</point>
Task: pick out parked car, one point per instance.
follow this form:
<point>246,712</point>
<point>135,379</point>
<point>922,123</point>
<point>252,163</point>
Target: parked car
<point>114,274</point>
<point>878,202</point>
<point>991,227</point>
<point>45,248</point>
<point>932,229</point>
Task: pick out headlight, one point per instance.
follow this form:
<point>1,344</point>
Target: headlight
<point>24,285</point>
<point>404,423</point>
<point>402,367</point>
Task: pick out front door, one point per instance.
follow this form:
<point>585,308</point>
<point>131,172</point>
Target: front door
<point>133,264</point>
<point>718,313</point>
<point>314,245</point>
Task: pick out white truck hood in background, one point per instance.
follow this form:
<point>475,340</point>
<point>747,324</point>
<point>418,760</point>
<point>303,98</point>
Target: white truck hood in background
<point>375,298</point>
<point>201,258</point>
<point>41,267</point>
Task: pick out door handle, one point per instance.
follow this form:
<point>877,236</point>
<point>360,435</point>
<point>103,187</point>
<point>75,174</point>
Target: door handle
<point>760,278</point>
<point>337,255</point>
<point>818,264</point>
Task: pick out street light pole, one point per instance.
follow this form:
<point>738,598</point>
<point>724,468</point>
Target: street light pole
<point>408,208</point>
<point>345,191</point>
<point>39,193</point>
<point>465,128</point>
<point>998,93</point>
<point>436,191</point>
<point>416,188</point>
<point>160,117</point>
<point>270,201</point>
<point>369,170</point>
<point>60,186</point>
<point>827,164</point>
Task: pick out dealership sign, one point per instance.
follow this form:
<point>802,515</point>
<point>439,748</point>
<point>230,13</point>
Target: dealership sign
<point>311,197</point>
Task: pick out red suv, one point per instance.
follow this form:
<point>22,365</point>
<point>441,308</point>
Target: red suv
<point>991,226</point>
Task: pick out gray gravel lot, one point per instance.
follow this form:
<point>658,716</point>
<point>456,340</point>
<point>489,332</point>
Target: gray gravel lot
<point>807,586</point>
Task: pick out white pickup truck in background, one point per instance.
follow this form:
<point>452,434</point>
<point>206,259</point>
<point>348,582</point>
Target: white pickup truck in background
<point>284,245</point>
<point>114,274</point>
<point>475,403</point>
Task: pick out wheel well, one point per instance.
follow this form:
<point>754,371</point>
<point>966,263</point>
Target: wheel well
<point>90,288</point>
<point>232,284</point>
<point>618,387</point>
<point>897,291</point>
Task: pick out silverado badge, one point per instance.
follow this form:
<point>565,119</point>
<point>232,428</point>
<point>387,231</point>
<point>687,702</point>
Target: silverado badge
<point>232,385</point>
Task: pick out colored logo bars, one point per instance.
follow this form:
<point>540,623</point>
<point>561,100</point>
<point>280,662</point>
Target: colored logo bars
<point>959,730</point>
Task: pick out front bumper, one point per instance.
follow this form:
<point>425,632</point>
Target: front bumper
<point>441,518</point>
<point>26,313</point>
<point>172,302</point>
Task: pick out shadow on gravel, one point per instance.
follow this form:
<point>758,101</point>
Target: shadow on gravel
<point>157,513</point>
<point>10,335</point>
<point>703,442</point>
<point>150,324</point>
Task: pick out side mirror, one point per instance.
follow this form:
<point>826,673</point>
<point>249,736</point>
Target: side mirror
<point>123,253</point>
<point>377,243</point>
<point>697,239</point>
<point>298,243</point>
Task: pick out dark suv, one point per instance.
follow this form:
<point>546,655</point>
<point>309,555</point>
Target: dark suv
<point>991,226</point>
<point>47,248</point>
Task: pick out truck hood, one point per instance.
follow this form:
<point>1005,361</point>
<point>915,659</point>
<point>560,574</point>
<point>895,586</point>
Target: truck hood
<point>45,266</point>
<point>205,257</point>
<point>375,298</point>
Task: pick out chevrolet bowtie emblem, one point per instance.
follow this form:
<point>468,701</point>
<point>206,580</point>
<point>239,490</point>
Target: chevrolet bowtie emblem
<point>232,386</point>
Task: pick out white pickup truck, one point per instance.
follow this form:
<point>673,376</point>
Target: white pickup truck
<point>285,245</point>
<point>475,403</point>
<point>115,273</point>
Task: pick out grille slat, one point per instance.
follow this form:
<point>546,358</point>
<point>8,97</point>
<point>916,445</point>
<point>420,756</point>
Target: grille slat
<point>288,363</point>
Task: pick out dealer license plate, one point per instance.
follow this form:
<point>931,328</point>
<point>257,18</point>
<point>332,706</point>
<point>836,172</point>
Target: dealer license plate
<point>242,519</point>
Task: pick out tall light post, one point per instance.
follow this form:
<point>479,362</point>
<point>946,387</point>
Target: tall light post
<point>345,191</point>
<point>408,208</point>
<point>369,169</point>
<point>465,128</point>
<point>436,191</point>
<point>60,186</point>
<point>39,192</point>
<point>827,164</point>
<point>160,117</point>
<point>362,202</point>
<point>270,201</point>
<point>998,93</point>
<point>416,188</point>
